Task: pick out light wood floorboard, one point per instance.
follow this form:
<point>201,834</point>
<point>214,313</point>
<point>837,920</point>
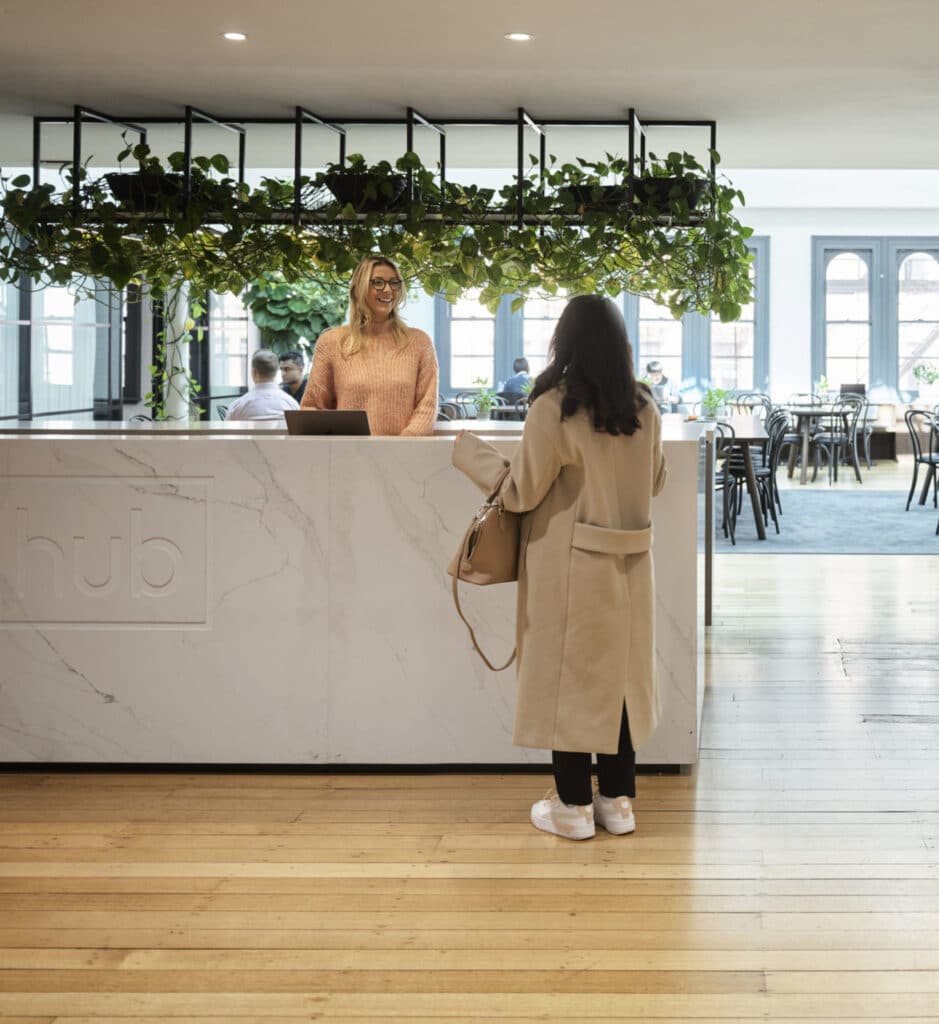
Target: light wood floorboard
<point>792,877</point>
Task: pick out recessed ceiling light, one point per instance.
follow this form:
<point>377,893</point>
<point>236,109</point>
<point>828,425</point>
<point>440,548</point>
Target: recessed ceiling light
<point>519,37</point>
<point>235,37</point>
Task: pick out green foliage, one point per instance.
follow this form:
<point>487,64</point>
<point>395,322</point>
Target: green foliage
<point>292,315</point>
<point>714,399</point>
<point>485,398</point>
<point>576,235</point>
<point>169,374</point>
<point>926,374</point>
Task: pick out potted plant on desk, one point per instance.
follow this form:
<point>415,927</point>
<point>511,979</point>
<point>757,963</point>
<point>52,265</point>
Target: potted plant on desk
<point>484,399</point>
<point>714,403</point>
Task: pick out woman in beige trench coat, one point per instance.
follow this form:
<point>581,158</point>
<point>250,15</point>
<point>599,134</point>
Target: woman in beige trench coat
<point>586,470</point>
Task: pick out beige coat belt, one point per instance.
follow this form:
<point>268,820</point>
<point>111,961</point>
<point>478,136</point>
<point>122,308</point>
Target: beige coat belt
<point>611,542</point>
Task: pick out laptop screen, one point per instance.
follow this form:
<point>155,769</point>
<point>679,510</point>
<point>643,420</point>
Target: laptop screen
<point>335,422</point>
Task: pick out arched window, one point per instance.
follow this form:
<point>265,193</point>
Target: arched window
<point>917,315</point>
<point>847,319</point>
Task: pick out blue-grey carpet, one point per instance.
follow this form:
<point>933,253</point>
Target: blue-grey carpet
<point>823,521</point>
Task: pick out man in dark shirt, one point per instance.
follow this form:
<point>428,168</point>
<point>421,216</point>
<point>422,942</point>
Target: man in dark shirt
<point>291,375</point>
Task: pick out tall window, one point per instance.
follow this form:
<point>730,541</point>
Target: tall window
<point>63,334</point>
<point>539,318</point>
<point>847,319</point>
<point>228,345</point>
<point>917,314</point>
<point>472,342</point>
<point>732,349</point>
<point>660,338</point>
<point>10,324</point>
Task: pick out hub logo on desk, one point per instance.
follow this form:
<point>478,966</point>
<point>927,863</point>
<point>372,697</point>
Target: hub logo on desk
<point>103,550</point>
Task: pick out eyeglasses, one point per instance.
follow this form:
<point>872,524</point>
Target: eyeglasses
<point>380,284</point>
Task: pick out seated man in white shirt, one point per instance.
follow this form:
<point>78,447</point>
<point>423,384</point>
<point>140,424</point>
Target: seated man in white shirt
<point>266,400</point>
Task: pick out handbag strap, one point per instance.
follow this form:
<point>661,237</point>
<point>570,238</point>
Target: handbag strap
<point>479,650</point>
<point>498,487</point>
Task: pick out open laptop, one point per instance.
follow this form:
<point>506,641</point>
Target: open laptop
<point>347,422</point>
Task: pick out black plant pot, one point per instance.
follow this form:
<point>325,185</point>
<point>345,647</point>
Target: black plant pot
<point>145,190</point>
<point>350,188</point>
<point>610,196</point>
<point>660,193</point>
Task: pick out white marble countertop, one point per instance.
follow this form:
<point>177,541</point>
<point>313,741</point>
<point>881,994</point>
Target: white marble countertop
<point>251,600</point>
<point>674,428</point>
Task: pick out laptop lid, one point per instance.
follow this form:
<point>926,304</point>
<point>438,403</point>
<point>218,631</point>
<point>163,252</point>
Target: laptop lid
<point>339,422</point>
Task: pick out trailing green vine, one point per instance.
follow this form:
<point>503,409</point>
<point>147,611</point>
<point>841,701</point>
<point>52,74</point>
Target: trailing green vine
<point>669,233</point>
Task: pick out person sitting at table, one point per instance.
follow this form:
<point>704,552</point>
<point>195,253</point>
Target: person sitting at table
<point>291,375</point>
<point>265,401</point>
<point>376,362</point>
<point>514,387</point>
<point>659,385</point>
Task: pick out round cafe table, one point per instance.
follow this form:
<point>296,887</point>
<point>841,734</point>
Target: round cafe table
<point>806,416</point>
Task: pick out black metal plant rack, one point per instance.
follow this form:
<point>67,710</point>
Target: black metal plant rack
<point>633,125</point>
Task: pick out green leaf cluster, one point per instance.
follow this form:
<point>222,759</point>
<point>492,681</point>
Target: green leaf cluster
<point>292,315</point>
<point>668,232</point>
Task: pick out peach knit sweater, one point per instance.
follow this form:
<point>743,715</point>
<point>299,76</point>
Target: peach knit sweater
<point>397,387</point>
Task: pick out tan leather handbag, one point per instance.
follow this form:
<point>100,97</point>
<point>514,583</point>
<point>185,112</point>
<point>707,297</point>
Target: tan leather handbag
<point>487,554</point>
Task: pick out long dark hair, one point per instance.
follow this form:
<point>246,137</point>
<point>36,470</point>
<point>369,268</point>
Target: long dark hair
<point>591,356</point>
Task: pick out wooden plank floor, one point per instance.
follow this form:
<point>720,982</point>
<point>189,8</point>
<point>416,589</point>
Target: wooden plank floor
<point>793,877</point>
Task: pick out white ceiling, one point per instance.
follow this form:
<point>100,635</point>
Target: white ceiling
<point>798,84</point>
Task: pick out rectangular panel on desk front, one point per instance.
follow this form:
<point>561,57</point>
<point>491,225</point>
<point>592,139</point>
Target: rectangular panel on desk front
<point>103,550</point>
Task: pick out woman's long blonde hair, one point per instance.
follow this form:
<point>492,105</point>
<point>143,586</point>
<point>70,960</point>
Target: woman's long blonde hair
<point>359,316</point>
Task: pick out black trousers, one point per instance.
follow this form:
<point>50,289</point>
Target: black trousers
<point>616,773</point>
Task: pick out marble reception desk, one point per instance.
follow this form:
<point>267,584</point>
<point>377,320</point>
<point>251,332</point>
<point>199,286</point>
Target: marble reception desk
<point>258,599</point>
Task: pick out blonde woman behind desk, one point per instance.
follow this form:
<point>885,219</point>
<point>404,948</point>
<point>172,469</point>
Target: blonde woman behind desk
<point>376,362</point>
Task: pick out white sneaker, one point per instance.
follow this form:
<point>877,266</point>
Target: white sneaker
<point>571,821</point>
<point>614,813</point>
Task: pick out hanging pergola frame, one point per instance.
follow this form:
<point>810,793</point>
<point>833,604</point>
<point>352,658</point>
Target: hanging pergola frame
<point>634,127</point>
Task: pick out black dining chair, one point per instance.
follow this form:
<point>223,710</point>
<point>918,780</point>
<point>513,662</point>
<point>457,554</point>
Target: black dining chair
<point>921,423</point>
<point>140,418</point>
<point>836,437</point>
<point>725,480</point>
<point>753,403</point>
<point>765,464</point>
<point>222,412</point>
<point>805,398</point>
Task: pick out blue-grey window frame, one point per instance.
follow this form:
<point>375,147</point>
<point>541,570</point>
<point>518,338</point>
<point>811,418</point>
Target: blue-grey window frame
<point>695,345</point>
<point>885,254</point>
<point>696,328</point>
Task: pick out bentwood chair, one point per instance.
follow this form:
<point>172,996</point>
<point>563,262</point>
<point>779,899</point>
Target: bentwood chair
<point>140,418</point>
<point>725,480</point>
<point>764,469</point>
<point>222,412</point>
<point>837,435</point>
<point>753,403</point>
<point>919,422</point>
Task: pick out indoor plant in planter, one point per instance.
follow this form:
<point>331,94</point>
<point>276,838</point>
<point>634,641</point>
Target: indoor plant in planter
<point>484,399</point>
<point>220,240</point>
<point>684,263</point>
<point>672,189</point>
<point>358,187</point>
<point>714,403</point>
